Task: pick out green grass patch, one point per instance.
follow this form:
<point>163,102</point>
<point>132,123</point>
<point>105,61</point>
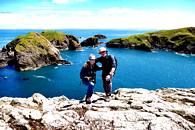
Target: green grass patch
<point>32,42</point>
<point>54,35</point>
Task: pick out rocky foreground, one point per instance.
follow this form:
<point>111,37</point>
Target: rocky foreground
<point>132,109</point>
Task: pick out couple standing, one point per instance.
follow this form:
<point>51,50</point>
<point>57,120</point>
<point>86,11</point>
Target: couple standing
<point>88,72</point>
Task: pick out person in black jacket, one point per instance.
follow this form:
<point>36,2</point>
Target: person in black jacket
<point>108,69</point>
<point>88,76</point>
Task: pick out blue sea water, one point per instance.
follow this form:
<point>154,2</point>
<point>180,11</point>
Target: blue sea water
<point>136,69</point>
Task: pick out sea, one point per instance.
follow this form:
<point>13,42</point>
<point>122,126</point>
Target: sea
<point>136,69</point>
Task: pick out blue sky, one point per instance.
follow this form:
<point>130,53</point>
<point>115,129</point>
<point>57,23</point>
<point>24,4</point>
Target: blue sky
<point>111,14</point>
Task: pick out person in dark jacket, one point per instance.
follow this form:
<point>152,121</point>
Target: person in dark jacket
<point>108,69</point>
<point>88,76</point>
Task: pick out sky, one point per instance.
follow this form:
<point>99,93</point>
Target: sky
<point>96,14</point>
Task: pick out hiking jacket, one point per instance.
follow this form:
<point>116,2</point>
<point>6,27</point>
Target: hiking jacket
<point>108,62</point>
<point>89,71</point>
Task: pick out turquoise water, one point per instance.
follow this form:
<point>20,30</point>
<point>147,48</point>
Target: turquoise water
<point>136,69</point>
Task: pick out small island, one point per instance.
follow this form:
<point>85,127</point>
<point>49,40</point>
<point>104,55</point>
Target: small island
<point>30,52</point>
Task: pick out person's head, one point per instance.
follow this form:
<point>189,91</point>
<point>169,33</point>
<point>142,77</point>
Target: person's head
<point>92,59</point>
<point>103,51</point>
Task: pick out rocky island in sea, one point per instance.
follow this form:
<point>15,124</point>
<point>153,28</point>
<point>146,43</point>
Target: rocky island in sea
<point>127,109</point>
<point>35,50</point>
<point>93,41</point>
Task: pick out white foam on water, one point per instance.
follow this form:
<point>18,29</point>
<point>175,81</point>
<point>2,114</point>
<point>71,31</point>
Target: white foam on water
<point>39,77</point>
<point>182,54</point>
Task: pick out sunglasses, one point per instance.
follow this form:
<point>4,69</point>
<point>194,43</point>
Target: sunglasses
<point>102,52</point>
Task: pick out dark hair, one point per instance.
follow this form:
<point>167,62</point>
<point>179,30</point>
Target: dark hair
<point>87,64</point>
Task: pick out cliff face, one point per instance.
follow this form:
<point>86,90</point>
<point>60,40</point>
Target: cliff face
<point>93,41</point>
<point>62,41</point>
<point>179,40</point>
<point>132,109</point>
<point>29,52</point>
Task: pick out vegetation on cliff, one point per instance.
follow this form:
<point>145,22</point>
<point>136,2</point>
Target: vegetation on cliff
<point>61,40</point>
<point>53,35</point>
<point>29,52</point>
<point>31,42</point>
<point>180,40</point>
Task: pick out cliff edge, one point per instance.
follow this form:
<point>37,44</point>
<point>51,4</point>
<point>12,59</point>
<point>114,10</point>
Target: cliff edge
<point>132,109</point>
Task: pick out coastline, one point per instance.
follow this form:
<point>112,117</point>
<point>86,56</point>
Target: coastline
<point>166,109</point>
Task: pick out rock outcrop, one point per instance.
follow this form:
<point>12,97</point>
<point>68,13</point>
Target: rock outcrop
<point>100,36</point>
<point>30,52</point>
<point>132,109</point>
<point>62,41</point>
<point>93,41</point>
<point>178,40</point>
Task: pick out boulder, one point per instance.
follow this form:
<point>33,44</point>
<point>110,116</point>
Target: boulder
<point>100,36</point>
<point>4,58</point>
<point>30,52</point>
<point>62,41</point>
<point>92,41</point>
<point>4,125</point>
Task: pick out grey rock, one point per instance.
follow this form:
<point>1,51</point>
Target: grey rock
<point>132,109</point>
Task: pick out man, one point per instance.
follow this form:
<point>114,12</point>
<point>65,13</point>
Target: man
<point>108,69</point>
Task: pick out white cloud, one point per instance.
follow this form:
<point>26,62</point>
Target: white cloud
<point>151,19</point>
<point>111,18</point>
<point>66,1</point>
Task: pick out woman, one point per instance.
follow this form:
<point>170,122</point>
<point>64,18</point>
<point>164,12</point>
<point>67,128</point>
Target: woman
<point>88,76</point>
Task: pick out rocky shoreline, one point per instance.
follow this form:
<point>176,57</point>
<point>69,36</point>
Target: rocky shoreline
<point>132,109</point>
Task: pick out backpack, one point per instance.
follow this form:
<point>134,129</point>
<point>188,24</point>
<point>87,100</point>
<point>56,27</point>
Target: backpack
<point>113,57</point>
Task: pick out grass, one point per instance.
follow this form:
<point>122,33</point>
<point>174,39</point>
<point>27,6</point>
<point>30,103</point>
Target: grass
<point>138,39</point>
<point>54,35</point>
<point>32,41</point>
<point>172,38</point>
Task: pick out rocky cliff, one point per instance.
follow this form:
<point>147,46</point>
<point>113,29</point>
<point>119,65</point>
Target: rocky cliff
<point>29,52</point>
<point>178,40</point>
<point>132,109</point>
<point>93,41</point>
<point>62,41</point>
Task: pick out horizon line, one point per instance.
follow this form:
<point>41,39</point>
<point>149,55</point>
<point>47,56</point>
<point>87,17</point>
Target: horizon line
<point>93,28</point>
